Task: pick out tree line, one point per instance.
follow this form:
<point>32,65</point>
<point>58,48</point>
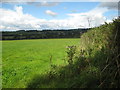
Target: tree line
<point>44,34</point>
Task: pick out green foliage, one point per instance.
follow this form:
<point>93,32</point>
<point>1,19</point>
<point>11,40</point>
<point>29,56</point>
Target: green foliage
<point>95,64</point>
<point>38,34</point>
<point>100,47</point>
<point>70,53</point>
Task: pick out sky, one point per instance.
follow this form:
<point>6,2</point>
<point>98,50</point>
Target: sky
<point>39,15</point>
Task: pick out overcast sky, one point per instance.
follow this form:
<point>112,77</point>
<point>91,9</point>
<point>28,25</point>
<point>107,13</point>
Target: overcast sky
<point>55,15</point>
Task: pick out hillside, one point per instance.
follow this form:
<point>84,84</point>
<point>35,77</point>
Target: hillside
<point>94,64</point>
<point>38,34</point>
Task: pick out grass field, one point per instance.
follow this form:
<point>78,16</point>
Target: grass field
<point>23,59</point>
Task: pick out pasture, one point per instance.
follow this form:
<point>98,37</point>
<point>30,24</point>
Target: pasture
<point>23,59</point>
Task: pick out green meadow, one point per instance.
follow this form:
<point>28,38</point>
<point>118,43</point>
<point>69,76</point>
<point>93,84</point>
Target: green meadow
<point>24,59</point>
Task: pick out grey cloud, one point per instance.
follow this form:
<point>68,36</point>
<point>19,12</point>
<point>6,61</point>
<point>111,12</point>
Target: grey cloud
<point>9,1</point>
<point>46,4</point>
<point>61,0</point>
<point>110,5</point>
<point>31,2</point>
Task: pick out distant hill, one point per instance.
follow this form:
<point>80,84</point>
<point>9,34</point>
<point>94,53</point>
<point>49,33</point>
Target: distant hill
<point>38,34</point>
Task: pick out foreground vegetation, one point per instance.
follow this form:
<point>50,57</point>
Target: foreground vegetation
<point>22,60</point>
<point>95,63</point>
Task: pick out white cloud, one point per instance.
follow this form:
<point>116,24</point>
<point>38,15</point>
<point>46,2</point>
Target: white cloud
<point>19,10</point>
<point>94,18</point>
<point>51,13</point>
<point>17,20</point>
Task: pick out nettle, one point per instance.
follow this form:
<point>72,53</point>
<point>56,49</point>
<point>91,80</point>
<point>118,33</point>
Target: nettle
<point>70,53</point>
